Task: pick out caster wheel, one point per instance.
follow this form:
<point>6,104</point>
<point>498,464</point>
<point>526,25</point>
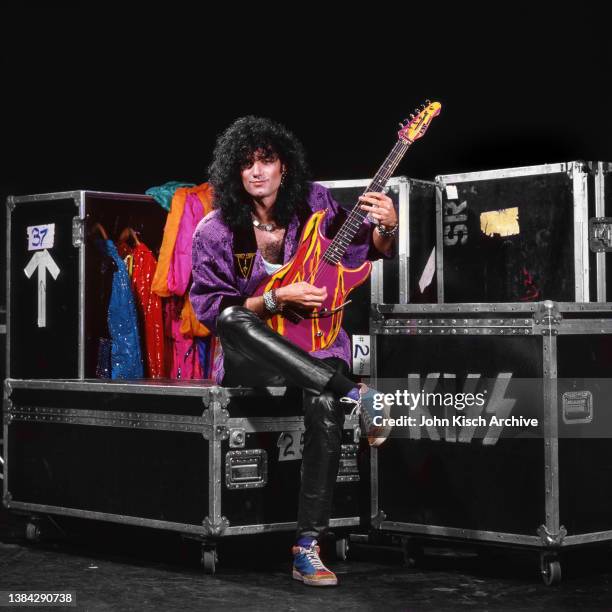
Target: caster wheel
<point>550,568</point>
<point>32,532</point>
<point>342,549</point>
<point>413,552</point>
<point>209,560</point>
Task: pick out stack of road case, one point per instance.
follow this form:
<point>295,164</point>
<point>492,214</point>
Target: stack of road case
<point>188,456</point>
<point>509,242</point>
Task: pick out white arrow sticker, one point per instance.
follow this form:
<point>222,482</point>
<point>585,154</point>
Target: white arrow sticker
<point>42,261</point>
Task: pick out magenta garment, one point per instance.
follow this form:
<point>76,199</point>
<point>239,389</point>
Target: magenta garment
<point>179,272</point>
<point>181,351</point>
<point>216,285</point>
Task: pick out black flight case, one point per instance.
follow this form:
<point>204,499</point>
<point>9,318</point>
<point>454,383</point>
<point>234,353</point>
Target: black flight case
<point>508,480</point>
<point>525,234</point>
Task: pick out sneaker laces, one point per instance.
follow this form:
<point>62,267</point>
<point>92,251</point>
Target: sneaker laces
<point>356,405</point>
<point>313,556</point>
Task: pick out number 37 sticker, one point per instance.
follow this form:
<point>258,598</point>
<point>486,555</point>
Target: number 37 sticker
<point>290,445</point>
<point>41,237</point>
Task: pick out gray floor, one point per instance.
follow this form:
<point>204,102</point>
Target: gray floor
<point>117,568</point>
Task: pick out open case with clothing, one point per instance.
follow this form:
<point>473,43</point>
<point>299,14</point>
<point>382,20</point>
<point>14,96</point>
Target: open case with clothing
<point>62,256</point>
<point>106,418</point>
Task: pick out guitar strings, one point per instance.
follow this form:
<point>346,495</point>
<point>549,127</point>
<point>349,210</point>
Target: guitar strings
<point>379,180</point>
<point>357,213</point>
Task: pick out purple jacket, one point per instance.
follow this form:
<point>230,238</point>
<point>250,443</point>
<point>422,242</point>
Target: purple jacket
<point>217,285</point>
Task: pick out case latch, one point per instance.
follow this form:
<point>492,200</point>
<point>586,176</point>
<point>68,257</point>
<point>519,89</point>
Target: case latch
<point>246,469</point>
<point>237,437</point>
<point>547,314</point>
<point>577,407</point>
<point>77,231</point>
<point>600,234</point>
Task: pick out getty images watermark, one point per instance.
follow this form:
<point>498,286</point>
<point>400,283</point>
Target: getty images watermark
<point>458,401</point>
<point>442,406</point>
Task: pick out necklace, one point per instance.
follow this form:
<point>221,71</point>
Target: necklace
<point>266,227</point>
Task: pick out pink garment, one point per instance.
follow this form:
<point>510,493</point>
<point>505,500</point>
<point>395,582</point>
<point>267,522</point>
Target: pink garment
<point>182,358</point>
<point>179,273</point>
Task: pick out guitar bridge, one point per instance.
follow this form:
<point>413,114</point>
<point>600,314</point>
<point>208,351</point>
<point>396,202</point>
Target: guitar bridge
<point>296,317</point>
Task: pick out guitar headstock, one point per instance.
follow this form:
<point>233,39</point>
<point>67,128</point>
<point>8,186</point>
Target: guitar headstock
<point>416,126</point>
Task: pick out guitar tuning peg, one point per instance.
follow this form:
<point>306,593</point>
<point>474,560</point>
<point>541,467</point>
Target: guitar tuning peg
<point>401,124</point>
<point>411,116</point>
<point>428,102</point>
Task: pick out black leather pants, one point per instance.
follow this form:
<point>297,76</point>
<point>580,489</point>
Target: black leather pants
<point>256,356</point>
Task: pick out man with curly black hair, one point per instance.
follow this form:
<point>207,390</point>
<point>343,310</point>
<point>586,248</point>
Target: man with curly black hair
<point>263,198</point>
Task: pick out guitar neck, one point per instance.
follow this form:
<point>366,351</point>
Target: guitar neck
<point>350,227</point>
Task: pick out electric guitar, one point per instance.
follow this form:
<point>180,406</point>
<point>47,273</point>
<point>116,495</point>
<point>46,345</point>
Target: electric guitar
<point>317,259</point>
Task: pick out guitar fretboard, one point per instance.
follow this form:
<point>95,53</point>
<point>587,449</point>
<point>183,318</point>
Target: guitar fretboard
<point>351,226</point>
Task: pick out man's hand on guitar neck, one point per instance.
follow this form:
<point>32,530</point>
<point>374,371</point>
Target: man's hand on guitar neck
<point>380,207</point>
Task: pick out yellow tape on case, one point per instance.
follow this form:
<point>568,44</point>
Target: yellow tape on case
<point>501,222</point>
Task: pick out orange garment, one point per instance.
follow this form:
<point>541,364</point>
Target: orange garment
<point>190,326</point>
<point>160,280</point>
<point>204,193</point>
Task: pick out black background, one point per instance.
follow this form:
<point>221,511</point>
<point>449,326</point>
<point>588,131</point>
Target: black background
<point>100,100</point>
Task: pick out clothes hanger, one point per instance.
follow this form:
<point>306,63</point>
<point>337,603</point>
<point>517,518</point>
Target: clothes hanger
<point>98,227</point>
<point>128,232</point>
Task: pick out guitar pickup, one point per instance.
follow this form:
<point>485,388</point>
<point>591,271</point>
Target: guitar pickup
<point>292,316</point>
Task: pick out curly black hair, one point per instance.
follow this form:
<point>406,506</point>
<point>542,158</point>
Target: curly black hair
<point>235,148</point>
